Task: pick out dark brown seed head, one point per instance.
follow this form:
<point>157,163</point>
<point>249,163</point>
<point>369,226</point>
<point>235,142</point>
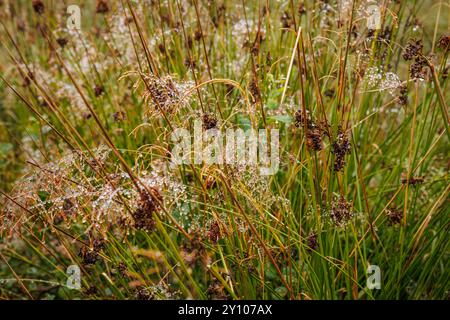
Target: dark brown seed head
<point>62,42</point>
<point>413,181</point>
<point>444,43</point>
<point>395,216</point>
<point>38,6</point>
<point>143,220</point>
<point>88,256</point>
<point>209,121</point>
<point>413,49</point>
<point>254,90</point>
<point>122,268</point>
<point>143,215</point>
<point>299,119</point>
<point>119,116</point>
<point>301,8</point>
<point>210,183</point>
<point>21,26</point>
<point>216,290</point>
<point>417,69</point>
<point>189,42</point>
<point>286,20</point>
<point>311,241</point>
<point>144,294</point>
<point>268,59</point>
<point>190,63</point>
<point>341,211</point>
<point>403,97</point>
<point>98,244</point>
<point>68,207</point>
<point>197,35</point>
<point>445,73</point>
<point>214,233</point>
<point>98,90</point>
<point>91,291</point>
<point>314,139</point>
<point>341,147</point>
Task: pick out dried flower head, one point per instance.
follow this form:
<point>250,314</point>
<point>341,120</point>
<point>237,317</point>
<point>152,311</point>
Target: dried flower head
<point>314,132</point>
<point>314,139</point>
<point>88,256</point>
<point>102,6</point>
<point>444,43</point>
<point>143,215</point>
<point>214,232</point>
<point>119,116</point>
<point>122,268</point>
<point>254,90</point>
<point>217,291</point>
<point>62,42</point>
<point>209,121</point>
<point>413,180</point>
<point>311,242</point>
<point>341,147</point>
<point>38,6</point>
<point>98,90</point>
<point>164,94</point>
<point>341,211</point>
<point>143,293</point>
<point>395,216</point>
<point>417,69</point>
<point>403,96</point>
<point>413,49</point>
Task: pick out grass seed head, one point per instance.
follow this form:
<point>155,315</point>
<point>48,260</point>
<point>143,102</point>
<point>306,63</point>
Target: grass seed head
<point>341,148</point>
<point>102,6</point>
<point>38,6</point>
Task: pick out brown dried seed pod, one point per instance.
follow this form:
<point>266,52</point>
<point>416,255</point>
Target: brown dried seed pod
<point>341,147</point>
<point>341,211</point>
<point>102,6</point>
<point>122,268</point>
<point>62,42</point>
<point>98,90</point>
<point>214,233</point>
<point>413,49</point>
<point>314,139</point>
<point>403,97</point>
<point>119,116</point>
<point>144,294</point>
<point>209,121</point>
<point>38,6</point>
<point>88,256</point>
<point>311,242</point>
<point>413,181</point>
<point>143,216</point>
<point>444,43</point>
<point>395,216</point>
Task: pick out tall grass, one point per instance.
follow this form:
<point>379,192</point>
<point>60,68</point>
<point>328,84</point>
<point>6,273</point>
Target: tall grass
<point>86,118</point>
